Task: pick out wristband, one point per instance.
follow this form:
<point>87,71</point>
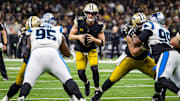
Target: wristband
<point>101,42</point>
<point>5,44</point>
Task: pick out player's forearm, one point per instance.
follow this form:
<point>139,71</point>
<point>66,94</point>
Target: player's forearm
<point>4,37</point>
<point>74,37</point>
<point>134,50</point>
<point>99,42</point>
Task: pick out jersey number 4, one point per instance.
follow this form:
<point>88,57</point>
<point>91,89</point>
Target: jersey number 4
<point>45,33</point>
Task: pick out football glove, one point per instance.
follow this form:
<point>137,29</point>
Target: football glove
<point>129,30</point>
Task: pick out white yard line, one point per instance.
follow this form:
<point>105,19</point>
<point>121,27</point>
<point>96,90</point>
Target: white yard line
<point>130,86</point>
<point>100,70</point>
<point>66,60</point>
<point>101,98</point>
<point>45,81</point>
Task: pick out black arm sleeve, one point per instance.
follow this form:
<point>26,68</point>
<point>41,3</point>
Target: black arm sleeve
<point>1,27</point>
<point>145,35</point>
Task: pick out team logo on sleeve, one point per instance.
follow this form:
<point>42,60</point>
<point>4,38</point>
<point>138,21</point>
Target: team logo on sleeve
<point>81,29</point>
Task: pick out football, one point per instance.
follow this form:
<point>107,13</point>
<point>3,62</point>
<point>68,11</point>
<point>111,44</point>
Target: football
<point>86,43</point>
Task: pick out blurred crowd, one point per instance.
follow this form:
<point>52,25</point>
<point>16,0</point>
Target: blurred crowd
<point>114,13</point>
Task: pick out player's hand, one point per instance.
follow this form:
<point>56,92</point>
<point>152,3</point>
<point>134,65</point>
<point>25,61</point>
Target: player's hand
<point>175,42</point>
<point>90,38</point>
<point>128,30</point>
<point>131,32</point>
<point>81,38</point>
<point>4,47</point>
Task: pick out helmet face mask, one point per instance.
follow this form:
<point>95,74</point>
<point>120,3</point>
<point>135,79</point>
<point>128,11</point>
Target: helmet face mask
<point>48,18</point>
<point>91,11</point>
<point>33,21</point>
<point>138,19</point>
<point>158,17</point>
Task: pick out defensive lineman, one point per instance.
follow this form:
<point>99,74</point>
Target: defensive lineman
<point>46,43</point>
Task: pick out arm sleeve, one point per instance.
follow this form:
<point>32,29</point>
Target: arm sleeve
<point>1,27</point>
<point>145,35</point>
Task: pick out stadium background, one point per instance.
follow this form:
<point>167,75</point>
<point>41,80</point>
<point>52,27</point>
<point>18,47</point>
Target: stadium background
<point>115,13</point>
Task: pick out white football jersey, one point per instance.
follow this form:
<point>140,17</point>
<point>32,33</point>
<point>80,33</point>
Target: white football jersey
<point>46,36</point>
<point>160,33</point>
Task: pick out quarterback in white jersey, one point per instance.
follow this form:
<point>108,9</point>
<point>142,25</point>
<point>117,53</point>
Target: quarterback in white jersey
<point>47,44</point>
<point>165,56</point>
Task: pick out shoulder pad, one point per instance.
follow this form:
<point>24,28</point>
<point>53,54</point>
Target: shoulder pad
<point>80,18</point>
<point>148,25</point>
<point>100,22</point>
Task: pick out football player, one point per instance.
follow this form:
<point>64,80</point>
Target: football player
<point>88,33</point>
<point>43,40</point>
<point>166,57</point>
<point>32,22</point>
<point>128,60</point>
<point>3,47</point>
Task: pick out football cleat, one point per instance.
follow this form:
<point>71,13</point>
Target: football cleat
<point>82,99</point>
<point>21,98</point>
<point>4,75</point>
<point>97,95</point>
<point>158,98</point>
<point>87,88</point>
<point>73,98</point>
<point>6,98</point>
<point>5,78</point>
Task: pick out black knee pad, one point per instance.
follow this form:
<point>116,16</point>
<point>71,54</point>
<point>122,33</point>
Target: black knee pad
<point>67,90</point>
<point>25,89</point>
<point>13,90</point>
<point>26,55</point>
<point>82,75</point>
<point>166,83</point>
<point>73,88</point>
<point>95,75</point>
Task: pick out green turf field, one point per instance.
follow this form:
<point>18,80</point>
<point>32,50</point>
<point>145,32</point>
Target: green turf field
<point>133,87</point>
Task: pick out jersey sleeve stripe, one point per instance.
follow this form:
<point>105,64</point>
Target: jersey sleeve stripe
<point>29,30</point>
<point>61,29</point>
<point>152,25</point>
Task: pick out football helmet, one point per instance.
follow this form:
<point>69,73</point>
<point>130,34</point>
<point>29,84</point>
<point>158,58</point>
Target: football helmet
<point>91,8</point>
<point>138,19</point>
<point>48,18</point>
<point>33,21</point>
<point>158,17</point>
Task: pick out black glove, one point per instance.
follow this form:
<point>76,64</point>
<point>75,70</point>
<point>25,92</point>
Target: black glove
<point>128,30</point>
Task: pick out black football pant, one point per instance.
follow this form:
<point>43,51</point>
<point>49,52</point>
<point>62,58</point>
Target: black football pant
<point>2,66</point>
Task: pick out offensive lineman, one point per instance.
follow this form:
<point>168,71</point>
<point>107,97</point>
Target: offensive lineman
<point>166,57</point>
<point>128,60</point>
<point>32,22</point>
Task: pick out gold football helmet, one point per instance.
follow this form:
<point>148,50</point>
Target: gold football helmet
<point>33,21</point>
<point>91,8</point>
<point>138,19</point>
